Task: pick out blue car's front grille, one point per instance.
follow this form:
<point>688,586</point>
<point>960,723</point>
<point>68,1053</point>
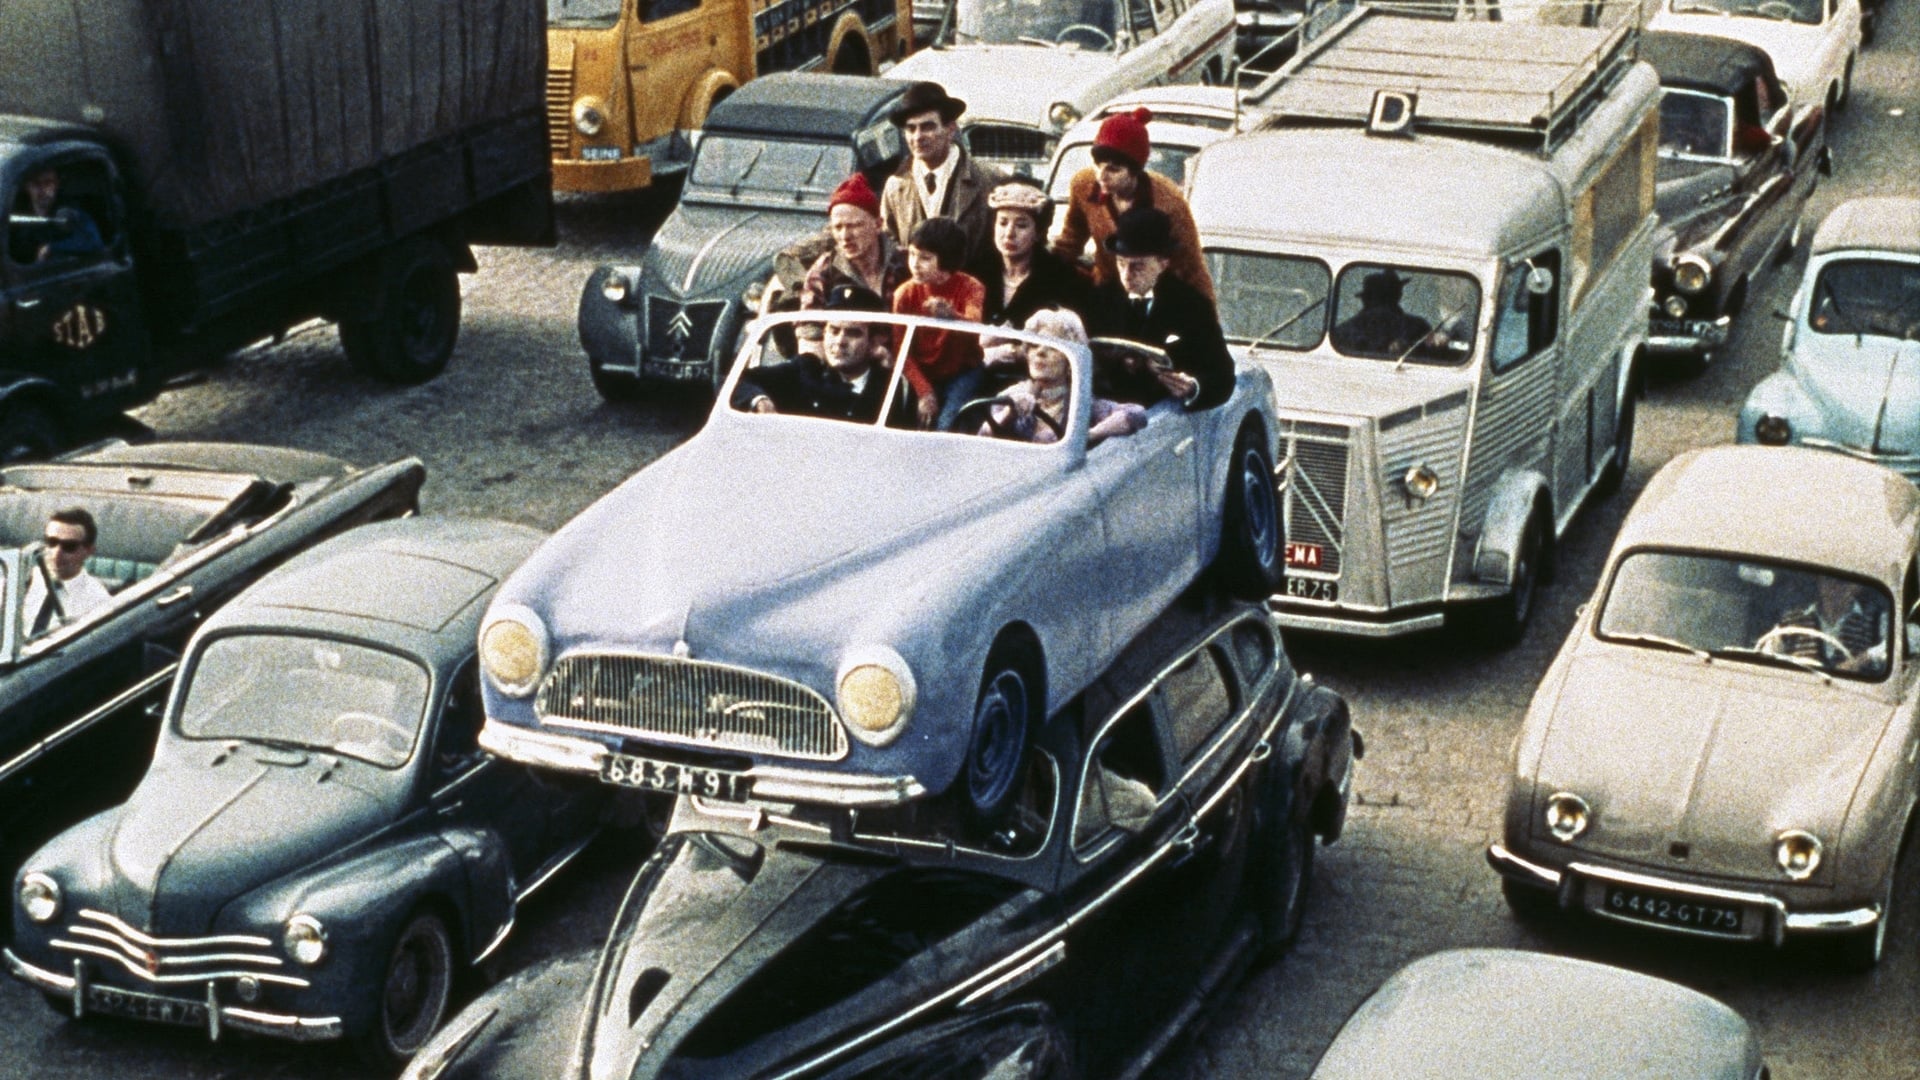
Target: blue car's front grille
<point>677,331</point>
<point>691,703</point>
<point>118,947</point>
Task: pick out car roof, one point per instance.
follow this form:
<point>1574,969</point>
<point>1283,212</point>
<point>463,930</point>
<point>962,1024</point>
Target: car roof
<point>416,583</point>
<point>1498,1013</point>
<point>1778,502</point>
<point>806,104</point>
<point>1873,223</point>
<point>1700,62</point>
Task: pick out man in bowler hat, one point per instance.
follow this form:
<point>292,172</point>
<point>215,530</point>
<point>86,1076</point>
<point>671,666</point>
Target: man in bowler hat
<point>1144,303</point>
<point>939,178</point>
<point>847,382</point>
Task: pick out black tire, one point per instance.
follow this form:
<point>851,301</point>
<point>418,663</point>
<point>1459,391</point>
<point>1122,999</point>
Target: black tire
<point>1504,620</point>
<point>1285,876</point>
<point>1789,244</point>
<point>412,338</point>
<point>1249,558</point>
<point>61,1004</point>
<point>1006,718</point>
<point>1530,906</point>
<point>1615,474</point>
<point>413,996</point>
<point>615,387</point>
<point>28,432</point>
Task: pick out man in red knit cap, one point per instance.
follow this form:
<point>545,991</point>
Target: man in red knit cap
<point>1118,181</point>
<point>853,250</point>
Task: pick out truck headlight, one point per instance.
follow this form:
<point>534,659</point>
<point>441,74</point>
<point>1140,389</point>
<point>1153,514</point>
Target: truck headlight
<point>40,897</point>
<point>513,651</point>
<point>1421,482</point>
<point>1798,853</point>
<point>616,287</point>
<point>589,116</point>
<point>1567,816</point>
<point>1772,430</point>
<point>1675,307</point>
<point>876,693</point>
<point>1063,115</point>
<point>1691,274</point>
<point>305,939</point>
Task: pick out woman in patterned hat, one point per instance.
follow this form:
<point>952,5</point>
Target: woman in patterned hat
<point>1021,276</point>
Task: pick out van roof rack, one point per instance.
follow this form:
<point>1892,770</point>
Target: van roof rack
<point>1510,83</point>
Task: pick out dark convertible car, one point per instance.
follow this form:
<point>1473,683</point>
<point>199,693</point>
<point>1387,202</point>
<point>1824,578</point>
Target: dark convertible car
<point>320,846</point>
<point>1738,162</point>
<point>1165,840</point>
<point>182,528</point>
<point>769,157</point>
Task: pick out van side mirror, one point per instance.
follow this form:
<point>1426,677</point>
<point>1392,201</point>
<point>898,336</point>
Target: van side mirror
<point>1539,280</point>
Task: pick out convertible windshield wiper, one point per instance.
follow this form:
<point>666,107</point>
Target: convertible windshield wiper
<point>1261,341</point>
<point>1659,642</point>
<point>1788,660</point>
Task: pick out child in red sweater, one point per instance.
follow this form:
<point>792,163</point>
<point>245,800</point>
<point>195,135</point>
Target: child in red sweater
<point>943,368</point>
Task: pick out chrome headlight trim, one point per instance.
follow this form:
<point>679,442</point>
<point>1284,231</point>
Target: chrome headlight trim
<point>1797,852</point>
<point>506,671</point>
<point>1421,482</point>
<point>874,691</point>
<point>40,897</point>
<point>1675,307</point>
<point>305,939</point>
<point>1062,114</point>
<point>1691,273</point>
<point>1567,816</point>
<point>615,287</point>
<point>589,116</point>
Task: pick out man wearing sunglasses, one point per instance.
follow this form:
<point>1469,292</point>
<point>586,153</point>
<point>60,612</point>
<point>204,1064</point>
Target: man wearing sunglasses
<point>61,590</point>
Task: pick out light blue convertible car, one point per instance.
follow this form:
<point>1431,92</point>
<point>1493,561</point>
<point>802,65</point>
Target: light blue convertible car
<point>829,612</point>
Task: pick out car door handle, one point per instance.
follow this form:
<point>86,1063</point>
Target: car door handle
<point>1187,843</point>
<point>173,596</point>
<point>1180,448</point>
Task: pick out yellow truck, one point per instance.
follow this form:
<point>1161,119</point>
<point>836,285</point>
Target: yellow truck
<point>628,80</point>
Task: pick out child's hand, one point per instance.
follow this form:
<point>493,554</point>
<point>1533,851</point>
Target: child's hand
<point>938,307</point>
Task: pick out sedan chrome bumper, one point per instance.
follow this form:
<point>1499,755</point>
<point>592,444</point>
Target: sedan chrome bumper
<point>219,1016</point>
<point>775,783</point>
<point>1343,621</point>
<point>1687,335</point>
<point>1569,886</point>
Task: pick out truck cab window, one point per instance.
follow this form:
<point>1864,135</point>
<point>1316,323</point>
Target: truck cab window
<point>62,215</point>
<point>1526,321</point>
<point>656,10</point>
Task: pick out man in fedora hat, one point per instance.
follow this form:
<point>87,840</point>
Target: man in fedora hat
<point>1146,303</point>
<point>938,179</point>
<point>847,381</point>
<point>1381,328</point>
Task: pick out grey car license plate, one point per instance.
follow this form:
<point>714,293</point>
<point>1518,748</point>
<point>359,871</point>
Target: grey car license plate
<point>1639,905</point>
<point>625,770</point>
<point>1305,588</point>
<point>108,1001</point>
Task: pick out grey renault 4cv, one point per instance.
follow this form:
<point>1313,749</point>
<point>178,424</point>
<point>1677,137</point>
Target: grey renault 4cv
<point>1448,285</point>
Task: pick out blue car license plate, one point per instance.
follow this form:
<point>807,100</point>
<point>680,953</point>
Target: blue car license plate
<point>1639,905</point>
<point>625,770</point>
<point>108,1001</point>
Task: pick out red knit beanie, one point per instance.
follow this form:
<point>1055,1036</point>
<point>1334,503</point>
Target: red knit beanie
<point>1126,134</point>
<point>855,191</point>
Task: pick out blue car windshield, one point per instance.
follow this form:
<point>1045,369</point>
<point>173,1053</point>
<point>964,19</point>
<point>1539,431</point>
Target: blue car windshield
<point>313,693</point>
<point>805,172</point>
<point>1880,297</point>
<point>1751,610</point>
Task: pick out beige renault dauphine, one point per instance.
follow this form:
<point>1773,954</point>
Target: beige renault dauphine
<point>1725,745</point>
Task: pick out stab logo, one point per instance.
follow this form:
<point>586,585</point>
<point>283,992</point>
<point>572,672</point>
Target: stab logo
<point>80,327</point>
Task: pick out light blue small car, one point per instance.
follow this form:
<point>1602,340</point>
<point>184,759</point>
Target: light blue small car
<point>819,611</point>
<point>1851,377</point>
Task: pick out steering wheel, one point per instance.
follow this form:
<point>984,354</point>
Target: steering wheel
<point>1103,41</point>
<point>1777,9</point>
<point>1772,638</point>
<point>396,737</point>
<point>1001,429</point>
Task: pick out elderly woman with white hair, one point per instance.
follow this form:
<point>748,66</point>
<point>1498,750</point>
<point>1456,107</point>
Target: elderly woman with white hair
<point>1036,410</point>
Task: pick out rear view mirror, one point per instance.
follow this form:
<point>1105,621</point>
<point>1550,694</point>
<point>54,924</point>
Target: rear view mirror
<point>1539,280</point>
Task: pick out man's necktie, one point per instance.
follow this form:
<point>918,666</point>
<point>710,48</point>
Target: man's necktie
<point>932,183</point>
<point>49,607</point>
<point>1140,306</point>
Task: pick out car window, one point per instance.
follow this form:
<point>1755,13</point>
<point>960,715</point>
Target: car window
<point>1253,649</point>
<point>1124,780</point>
<point>794,170</point>
<point>1197,698</point>
<point>1695,125</point>
<point>1079,24</point>
<point>1271,301</point>
<point>1749,609</point>
<point>1880,297</point>
<point>1910,603</point>
<point>1404,313</point>
<point>317,693</point>
<point>656,10</point>
<point>1168,160</point>
<point>457,745</point>
<point>1527,321</point>
<point>1810,12</point>
<point>62,215</point>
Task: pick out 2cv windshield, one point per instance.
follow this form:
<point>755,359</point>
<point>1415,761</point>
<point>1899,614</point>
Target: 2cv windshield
<point>1750,610</point>
<point>1880,297</point>
<point>314,693</point>
<point>795,171</point>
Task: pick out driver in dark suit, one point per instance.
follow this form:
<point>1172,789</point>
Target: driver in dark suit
<point>848,383</point>
<point>1381,327</point>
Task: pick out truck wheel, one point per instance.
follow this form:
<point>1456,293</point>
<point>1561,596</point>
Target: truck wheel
<point>413,994</point>
<point>1530,906</point>
<point>27,432</point>
<point>412,338</point>
<point>1006,717</point>
<point>1249,557</point>
<point>1286,874</point>
<point>1504,620</point>
<point>1615,473</point>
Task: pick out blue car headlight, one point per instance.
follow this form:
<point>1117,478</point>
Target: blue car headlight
<point>876,692</point>
<point>514,650</point>
<point>305,940</point>
<point>40,897</point>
